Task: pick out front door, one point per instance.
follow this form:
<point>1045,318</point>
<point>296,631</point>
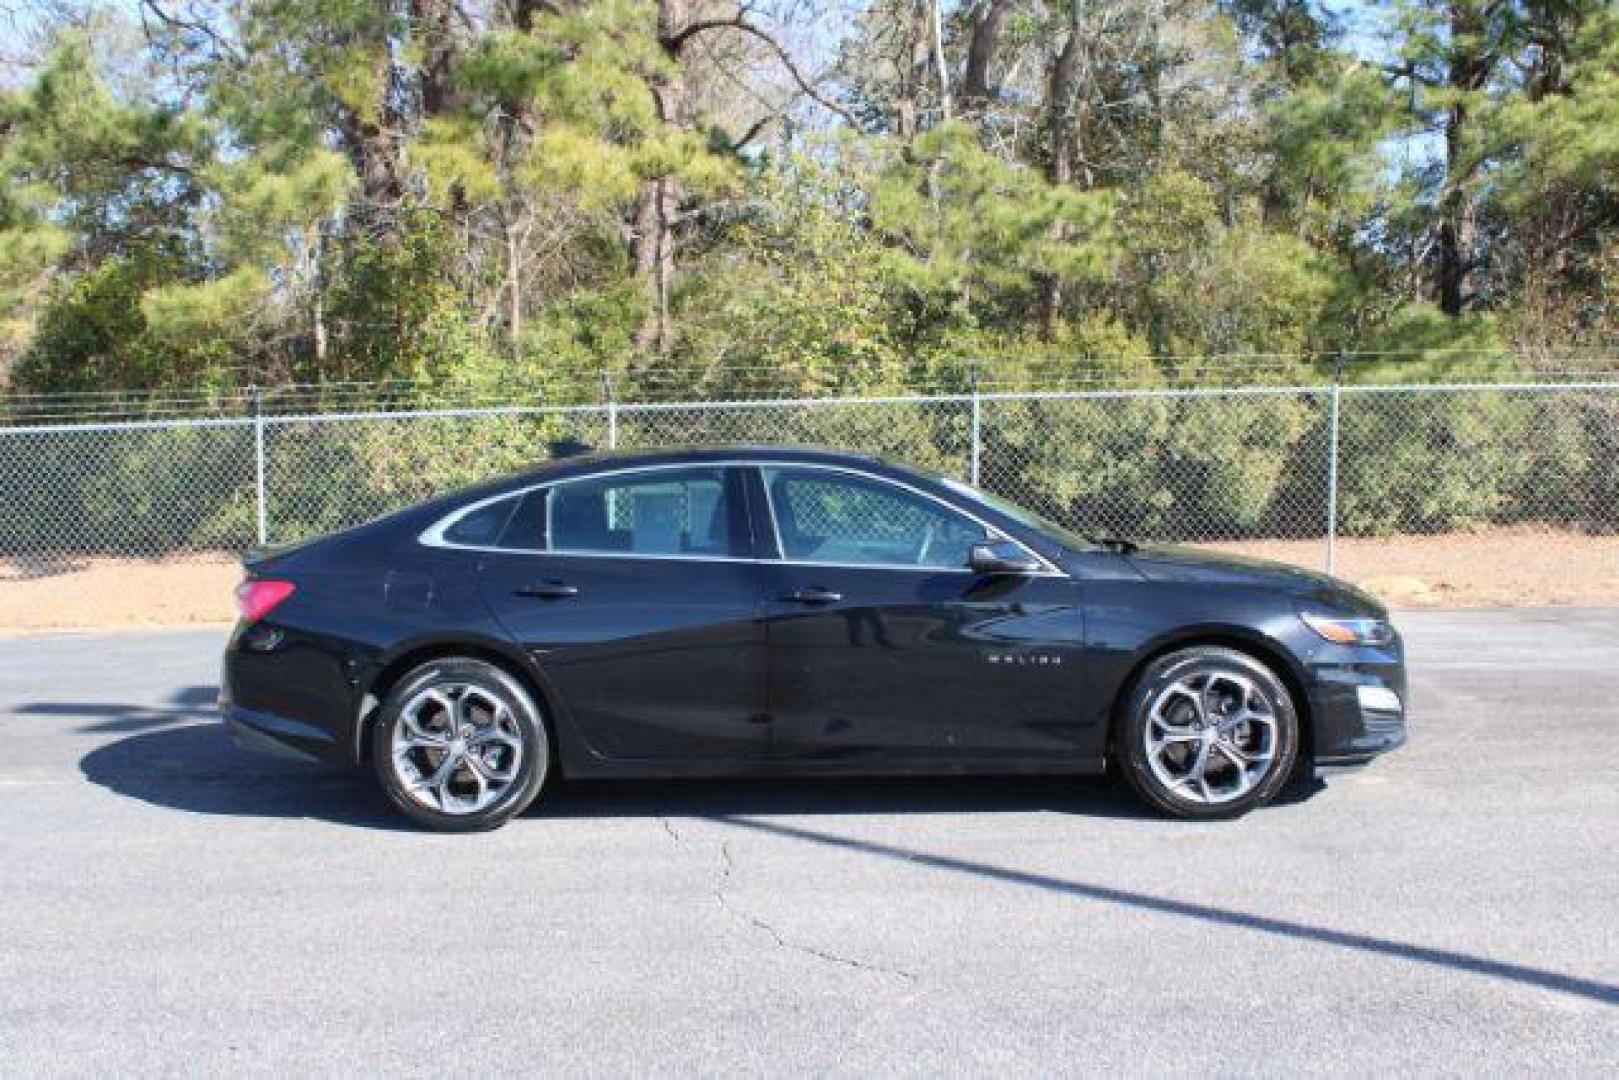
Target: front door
<point>886,647</point>
<point>642,614</point>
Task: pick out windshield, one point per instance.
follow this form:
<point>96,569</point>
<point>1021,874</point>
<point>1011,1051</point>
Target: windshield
<point>1019,514</point>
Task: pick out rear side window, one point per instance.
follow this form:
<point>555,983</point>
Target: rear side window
<point>516,523</point>
<point>525,529</point>
<point>482,527</point>
<point>657,512</point>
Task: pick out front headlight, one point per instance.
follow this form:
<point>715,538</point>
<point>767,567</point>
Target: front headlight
<point>1349,631</point>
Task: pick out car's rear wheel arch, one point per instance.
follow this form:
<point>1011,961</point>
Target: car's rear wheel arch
<point>411,659</point>
<point>1248,643</point>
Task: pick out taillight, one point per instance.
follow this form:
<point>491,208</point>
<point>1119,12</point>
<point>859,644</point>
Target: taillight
<point>258,597</point>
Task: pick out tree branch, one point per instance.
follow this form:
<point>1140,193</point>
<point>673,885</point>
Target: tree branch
<point>752,132</point>
<point>674,42</point>
<point>188,26</point>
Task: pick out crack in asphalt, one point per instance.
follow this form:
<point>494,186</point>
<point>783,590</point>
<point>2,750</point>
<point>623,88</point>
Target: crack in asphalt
<point>727,866</point>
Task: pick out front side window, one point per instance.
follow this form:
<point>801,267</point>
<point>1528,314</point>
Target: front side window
<point>657,512</point>
<point>831,517</point>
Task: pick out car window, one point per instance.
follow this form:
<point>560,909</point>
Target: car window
<point>1020,514</point>
<point>657,512</point>
<point>482,527</point>
<point>831,517</point>
<point>525,529</point>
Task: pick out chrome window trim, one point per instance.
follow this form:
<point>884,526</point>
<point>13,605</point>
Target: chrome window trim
<point>433,535</point>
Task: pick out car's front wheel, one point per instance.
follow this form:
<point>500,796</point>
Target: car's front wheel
<point>460,745</point>
<point>1207,732</point>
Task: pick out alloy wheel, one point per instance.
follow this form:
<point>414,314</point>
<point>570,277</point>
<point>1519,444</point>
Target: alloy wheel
<point>457,748</point>
<point>1211,736</point>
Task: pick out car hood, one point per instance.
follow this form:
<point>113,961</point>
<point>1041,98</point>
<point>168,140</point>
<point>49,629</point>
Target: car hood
<point>1169,562</point>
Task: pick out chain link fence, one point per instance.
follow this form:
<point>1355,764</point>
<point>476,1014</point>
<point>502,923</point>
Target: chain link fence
<point>1190,465</point>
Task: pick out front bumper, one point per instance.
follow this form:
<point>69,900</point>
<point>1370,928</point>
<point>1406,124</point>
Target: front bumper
<point>1359,708</point>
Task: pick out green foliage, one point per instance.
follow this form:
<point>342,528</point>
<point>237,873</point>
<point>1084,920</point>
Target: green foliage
<point>1323,137</point>
<point>1416,343</point>
<point>802,297</point>
<point>350,190</point>
<point>397,310</point>
<point>1430,466</point>
<point>963,221</point>
<point>1571,138</point>
<point>93,333</point>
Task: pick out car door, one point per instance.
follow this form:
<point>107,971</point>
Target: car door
<point>635,598</point>
<point>884,646</point>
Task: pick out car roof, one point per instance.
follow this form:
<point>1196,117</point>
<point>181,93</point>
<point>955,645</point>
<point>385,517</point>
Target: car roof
<point>595,460</point>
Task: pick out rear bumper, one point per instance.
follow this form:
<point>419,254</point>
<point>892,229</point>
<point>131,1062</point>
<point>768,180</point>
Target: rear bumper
<point>265,733</point>
<point>283,701</point>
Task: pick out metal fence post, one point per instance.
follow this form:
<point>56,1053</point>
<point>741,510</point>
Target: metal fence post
<point>977,420</point>
<point>612,411</point>
<point>263,514</point>
<point>1332,461</point>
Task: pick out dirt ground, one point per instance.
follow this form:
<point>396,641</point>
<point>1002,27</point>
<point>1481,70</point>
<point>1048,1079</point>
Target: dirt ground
<point>1501,568</point>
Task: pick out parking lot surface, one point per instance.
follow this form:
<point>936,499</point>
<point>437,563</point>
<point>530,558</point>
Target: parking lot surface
<point>170,904</point>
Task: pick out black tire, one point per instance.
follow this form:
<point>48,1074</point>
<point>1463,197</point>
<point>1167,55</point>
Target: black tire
<point>487,681</point>
<point>1194,666</point>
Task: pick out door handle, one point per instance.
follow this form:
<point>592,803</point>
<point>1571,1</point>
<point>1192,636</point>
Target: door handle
<point>812,595</point>
<point>549,590</point>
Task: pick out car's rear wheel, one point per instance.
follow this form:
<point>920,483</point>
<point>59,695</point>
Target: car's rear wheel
<point>1207,732</point>
<point>460,745</point>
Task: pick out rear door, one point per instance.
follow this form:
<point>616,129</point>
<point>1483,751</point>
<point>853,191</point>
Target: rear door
<point>885,647</point>
<point>632,592</point>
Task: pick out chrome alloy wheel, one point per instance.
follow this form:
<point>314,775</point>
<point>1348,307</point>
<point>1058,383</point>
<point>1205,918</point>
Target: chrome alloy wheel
<point>1211,736</point>
<point>456,748</point>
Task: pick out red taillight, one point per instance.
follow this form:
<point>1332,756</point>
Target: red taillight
<point>257,598</point>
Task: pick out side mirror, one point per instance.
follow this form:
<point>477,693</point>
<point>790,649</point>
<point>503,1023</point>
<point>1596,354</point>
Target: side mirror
<point>1002,557</point>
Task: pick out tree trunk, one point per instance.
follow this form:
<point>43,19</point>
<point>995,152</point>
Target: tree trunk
<point>913,79</point>
<point>514,281</point>
<point>938,61</point>
<point>653,248</point>
<point>371,148</point>
<point>1458,225</point>
<point>983,46</point>
<point>318,305</point>
<point>434,24</point>
<point>1061,87</point>
<point>652,242</point>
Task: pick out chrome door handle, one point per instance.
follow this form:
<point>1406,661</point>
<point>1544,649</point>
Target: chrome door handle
<point>812,595</point>
<point>549,590</point>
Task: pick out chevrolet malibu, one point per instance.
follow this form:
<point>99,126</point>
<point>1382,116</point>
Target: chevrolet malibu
<point>744,611</point>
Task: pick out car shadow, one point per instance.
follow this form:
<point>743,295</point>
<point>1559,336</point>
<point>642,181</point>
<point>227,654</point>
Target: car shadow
<point>178,756</point>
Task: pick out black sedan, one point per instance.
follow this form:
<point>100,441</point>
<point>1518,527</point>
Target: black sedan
<point>767,611</point>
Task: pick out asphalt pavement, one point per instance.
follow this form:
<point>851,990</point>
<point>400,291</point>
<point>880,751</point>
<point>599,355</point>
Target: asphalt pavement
<point>171,905</point>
